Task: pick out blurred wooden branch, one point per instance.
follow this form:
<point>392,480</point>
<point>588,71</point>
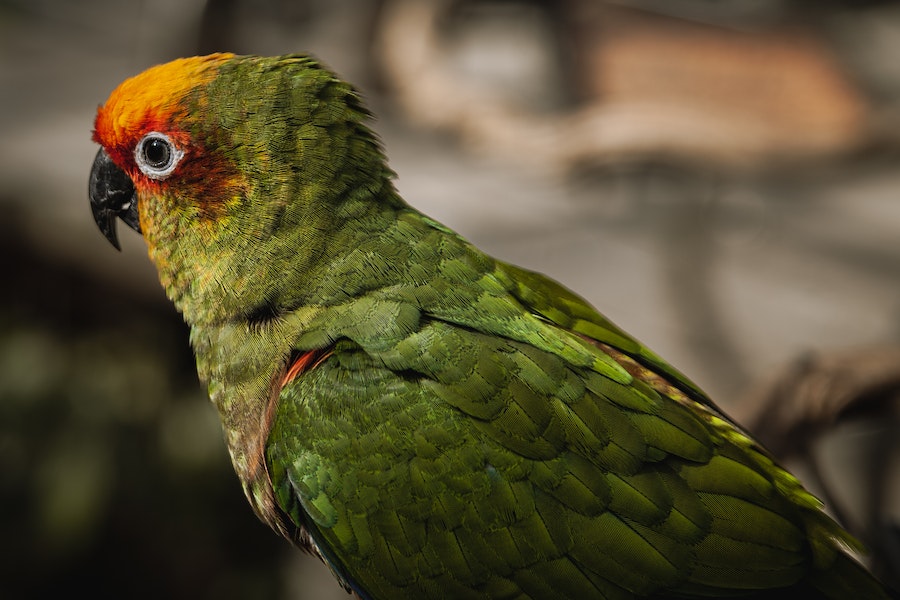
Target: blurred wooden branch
<point>814,396</point>
<point>817,392</point>
<point>649,86</point>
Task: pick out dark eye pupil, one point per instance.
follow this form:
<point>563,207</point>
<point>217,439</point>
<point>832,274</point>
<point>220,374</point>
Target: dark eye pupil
<point>157,153</point>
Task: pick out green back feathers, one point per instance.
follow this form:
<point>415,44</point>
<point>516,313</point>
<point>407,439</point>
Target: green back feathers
<point>467,399</point>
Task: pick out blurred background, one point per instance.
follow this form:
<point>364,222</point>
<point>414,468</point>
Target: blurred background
<point>719,177</point>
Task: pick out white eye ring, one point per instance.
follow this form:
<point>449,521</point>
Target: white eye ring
<point>157,156</point>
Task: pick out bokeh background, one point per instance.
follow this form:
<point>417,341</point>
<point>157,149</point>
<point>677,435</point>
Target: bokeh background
<point>719,177</point>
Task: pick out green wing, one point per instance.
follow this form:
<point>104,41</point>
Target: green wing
<point>478,440</point>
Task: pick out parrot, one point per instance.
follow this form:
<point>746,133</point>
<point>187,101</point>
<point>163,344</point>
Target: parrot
<point>429,421</point>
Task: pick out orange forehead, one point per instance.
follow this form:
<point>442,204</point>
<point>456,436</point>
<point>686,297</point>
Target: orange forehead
<point>151,97</point>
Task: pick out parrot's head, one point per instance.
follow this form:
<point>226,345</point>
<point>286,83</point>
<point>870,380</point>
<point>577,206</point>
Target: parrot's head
<point>241,173</point>
<point>142,129</point>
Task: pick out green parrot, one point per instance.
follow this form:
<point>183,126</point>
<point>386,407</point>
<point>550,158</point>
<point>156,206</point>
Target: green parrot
<point>431,422</point>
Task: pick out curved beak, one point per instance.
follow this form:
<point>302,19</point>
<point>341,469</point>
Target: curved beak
<point>112,195</point>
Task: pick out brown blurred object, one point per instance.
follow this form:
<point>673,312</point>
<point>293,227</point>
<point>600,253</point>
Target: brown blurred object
<point>816,392</point>
<point>818,395</point>
<point>645,86</point>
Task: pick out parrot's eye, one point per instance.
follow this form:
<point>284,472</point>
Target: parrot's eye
<point>156,155</point>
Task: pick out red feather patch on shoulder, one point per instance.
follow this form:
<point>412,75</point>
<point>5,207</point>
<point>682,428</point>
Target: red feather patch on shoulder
<point>307,361</point>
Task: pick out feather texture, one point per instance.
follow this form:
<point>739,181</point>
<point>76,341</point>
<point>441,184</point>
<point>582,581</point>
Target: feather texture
<point>433,423</point>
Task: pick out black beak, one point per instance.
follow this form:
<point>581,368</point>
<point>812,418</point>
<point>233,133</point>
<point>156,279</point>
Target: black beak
<point>112,195</point>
